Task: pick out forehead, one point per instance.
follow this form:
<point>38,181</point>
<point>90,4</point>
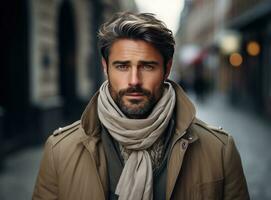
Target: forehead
<point>133,49</point>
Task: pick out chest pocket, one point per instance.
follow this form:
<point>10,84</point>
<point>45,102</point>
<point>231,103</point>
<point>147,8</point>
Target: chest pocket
<point>209,191</point>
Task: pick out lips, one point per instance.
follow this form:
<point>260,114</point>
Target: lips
<point>135,94</point>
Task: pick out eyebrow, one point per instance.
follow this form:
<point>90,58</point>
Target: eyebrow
<point>117,62</point>
<point>142,62</point>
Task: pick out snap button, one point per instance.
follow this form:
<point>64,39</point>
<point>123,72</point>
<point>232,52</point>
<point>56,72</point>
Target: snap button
<point>184,145</point>
<point>190,138</point>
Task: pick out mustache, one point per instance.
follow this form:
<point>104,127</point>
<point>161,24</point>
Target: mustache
<point>134,89</point>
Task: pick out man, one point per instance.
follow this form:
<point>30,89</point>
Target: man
<point>139,138</point>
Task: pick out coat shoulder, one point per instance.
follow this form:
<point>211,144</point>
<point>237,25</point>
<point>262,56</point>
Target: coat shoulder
<point>217,132</point>
<point>63,132</point>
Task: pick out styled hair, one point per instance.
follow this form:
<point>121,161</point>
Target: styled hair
<point>127,25</point>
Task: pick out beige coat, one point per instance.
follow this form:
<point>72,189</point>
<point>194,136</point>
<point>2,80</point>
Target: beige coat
<point>203,164</point>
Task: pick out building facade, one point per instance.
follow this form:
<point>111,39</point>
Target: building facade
<point>50,64</point>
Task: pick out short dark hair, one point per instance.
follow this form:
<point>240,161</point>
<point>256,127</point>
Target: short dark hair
<point>144,26</point>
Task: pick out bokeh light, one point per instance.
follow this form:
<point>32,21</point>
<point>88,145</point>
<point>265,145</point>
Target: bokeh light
<point>253,48</point>
<point>236,59</point>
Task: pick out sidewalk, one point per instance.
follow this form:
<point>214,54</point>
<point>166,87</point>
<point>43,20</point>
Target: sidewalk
<point>19,174</point>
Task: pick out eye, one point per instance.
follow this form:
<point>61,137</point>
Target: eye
<point>122,67</point>
<point>148,67</point>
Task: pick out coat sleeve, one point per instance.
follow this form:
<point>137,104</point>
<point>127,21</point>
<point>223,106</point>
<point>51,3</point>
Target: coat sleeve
<point>235,186</point>
<point>46,183</point>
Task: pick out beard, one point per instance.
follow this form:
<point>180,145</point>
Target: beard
<point>135,108</point>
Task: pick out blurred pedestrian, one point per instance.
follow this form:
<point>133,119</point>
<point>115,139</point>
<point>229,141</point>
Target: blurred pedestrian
<point>139,138</point>
<point>200,83</point>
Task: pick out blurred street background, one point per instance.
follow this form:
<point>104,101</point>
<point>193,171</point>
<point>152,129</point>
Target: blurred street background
<point>50,68</point>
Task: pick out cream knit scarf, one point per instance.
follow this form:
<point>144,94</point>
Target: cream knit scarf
<point>137,135</point>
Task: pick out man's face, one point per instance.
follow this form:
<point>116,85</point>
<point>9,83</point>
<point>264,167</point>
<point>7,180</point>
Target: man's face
<point>136,75</point>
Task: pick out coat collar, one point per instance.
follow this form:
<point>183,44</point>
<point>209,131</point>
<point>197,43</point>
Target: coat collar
<point>89,118</point>
<point>185,110</point>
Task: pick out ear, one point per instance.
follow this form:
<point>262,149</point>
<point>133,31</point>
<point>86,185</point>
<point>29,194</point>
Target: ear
<point>104,67</point>
<point>168,68</point>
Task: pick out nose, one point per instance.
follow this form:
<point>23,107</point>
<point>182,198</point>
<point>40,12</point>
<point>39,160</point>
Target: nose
<point>134,77</point>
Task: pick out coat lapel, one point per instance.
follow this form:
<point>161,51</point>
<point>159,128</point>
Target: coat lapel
<point>174,165</point>
<point>185,114</point>
<point>181,143</point>
<point>96,151</point>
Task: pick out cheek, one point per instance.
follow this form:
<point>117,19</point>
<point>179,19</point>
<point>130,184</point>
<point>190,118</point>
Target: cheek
<point>117,81</point>
<point>158,90</point>
<point>154,85</point>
